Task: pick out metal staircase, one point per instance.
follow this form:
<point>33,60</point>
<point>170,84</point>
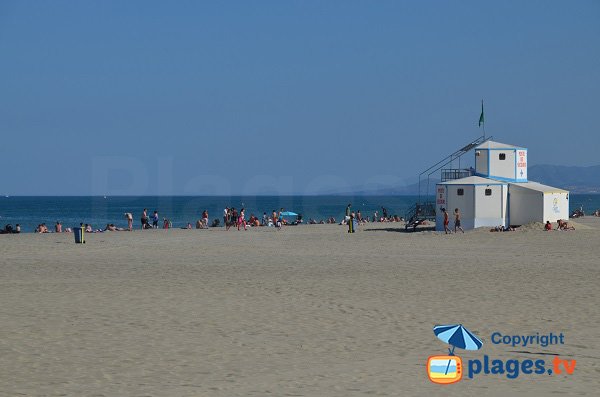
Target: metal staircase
<point>425,210</point>
<point>419,213</point>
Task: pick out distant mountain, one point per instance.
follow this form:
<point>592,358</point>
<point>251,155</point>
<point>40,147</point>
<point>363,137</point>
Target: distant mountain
<point>574,179</point>
<point>409,189</point>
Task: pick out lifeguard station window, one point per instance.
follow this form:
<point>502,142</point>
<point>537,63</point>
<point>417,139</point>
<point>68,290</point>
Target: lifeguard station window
<point>460,192</point>
<point>502,156</point>
<point>488,192</point>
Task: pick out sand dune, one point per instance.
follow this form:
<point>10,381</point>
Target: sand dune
<point>308,311</point>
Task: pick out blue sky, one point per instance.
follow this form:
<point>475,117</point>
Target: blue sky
<point>282,97</point>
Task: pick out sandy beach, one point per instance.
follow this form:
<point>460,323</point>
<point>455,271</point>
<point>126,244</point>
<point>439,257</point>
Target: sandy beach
<point>307,311</point>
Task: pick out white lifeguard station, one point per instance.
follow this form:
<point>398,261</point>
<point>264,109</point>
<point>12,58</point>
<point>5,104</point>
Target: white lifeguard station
<point>481,201</point>
<point>500,161</point>
<point>497,192</point>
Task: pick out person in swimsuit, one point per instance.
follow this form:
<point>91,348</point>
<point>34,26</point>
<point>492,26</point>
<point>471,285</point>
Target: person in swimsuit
<point>242,219</point>
<point>457,221</point>
<point>280,218</point>
<point>205,218</point>
<point>144,218</point>
<point>446,221</point>
<point>129,217</point>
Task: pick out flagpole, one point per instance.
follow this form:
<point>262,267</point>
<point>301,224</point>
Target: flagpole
<point>482,119</point>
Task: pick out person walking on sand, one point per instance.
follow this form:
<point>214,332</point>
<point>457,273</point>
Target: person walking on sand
<point>225,215</point>
<point>457,221</point>
<point>446,221</point>
<point>129,217</point>
<point>242,219</point>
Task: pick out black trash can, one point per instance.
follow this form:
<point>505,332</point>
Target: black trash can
<point>79,234</point>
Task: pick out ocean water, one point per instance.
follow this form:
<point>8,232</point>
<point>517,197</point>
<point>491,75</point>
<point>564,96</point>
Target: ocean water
<point>98,211</point>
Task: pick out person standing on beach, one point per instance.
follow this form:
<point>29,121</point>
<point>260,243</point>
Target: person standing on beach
<point>350,223</point>
<point>280,219</point>
<point>225,214</point>
<point>242,219</point>
<point>155,220</point>
<point>205,218</point>
<point>348,212</point>
<point>457,221</point>
<point>446,221</point>
<point>144,218</point>
<point>265,219</point>
<point>233,216</point>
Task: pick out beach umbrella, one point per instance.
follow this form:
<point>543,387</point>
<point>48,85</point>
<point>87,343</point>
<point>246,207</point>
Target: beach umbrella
<point>288,213</point>
<point>457,336</point>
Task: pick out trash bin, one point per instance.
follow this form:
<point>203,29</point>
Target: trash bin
<point>79,234</point>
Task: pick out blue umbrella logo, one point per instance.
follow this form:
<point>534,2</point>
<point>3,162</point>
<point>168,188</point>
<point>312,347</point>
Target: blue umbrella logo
<point>457,336</point>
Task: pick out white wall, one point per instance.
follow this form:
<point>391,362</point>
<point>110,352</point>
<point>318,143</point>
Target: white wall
<point>490,210</point>
<point>502,168</point>
<point>556,206</point>
<point>481,165</point>
<point>525,205</point>
<point>465,203</point>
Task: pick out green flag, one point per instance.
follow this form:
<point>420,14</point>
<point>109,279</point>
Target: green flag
<point>481,121</point>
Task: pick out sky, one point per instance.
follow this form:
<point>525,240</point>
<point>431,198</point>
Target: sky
<point>285,97</point>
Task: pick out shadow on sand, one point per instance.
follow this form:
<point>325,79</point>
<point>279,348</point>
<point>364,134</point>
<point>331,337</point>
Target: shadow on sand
<point>402,229</point>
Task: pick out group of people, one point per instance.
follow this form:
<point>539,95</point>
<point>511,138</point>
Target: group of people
<point>8,229</point>
<point>457,225</point>
<point>233,218</point>
<point>502,228</point>
<point>560,225</point>
<point>359,219</point>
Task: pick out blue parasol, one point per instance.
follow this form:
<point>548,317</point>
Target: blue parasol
<point>288,213</point>
<point>457,336</point>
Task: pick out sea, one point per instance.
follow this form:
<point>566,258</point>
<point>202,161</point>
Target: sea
<point>30,211</point>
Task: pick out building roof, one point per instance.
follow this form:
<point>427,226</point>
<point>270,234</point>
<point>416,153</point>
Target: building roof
<point>538,187</point>
<point>473,180</point>
<point>497,145</point>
